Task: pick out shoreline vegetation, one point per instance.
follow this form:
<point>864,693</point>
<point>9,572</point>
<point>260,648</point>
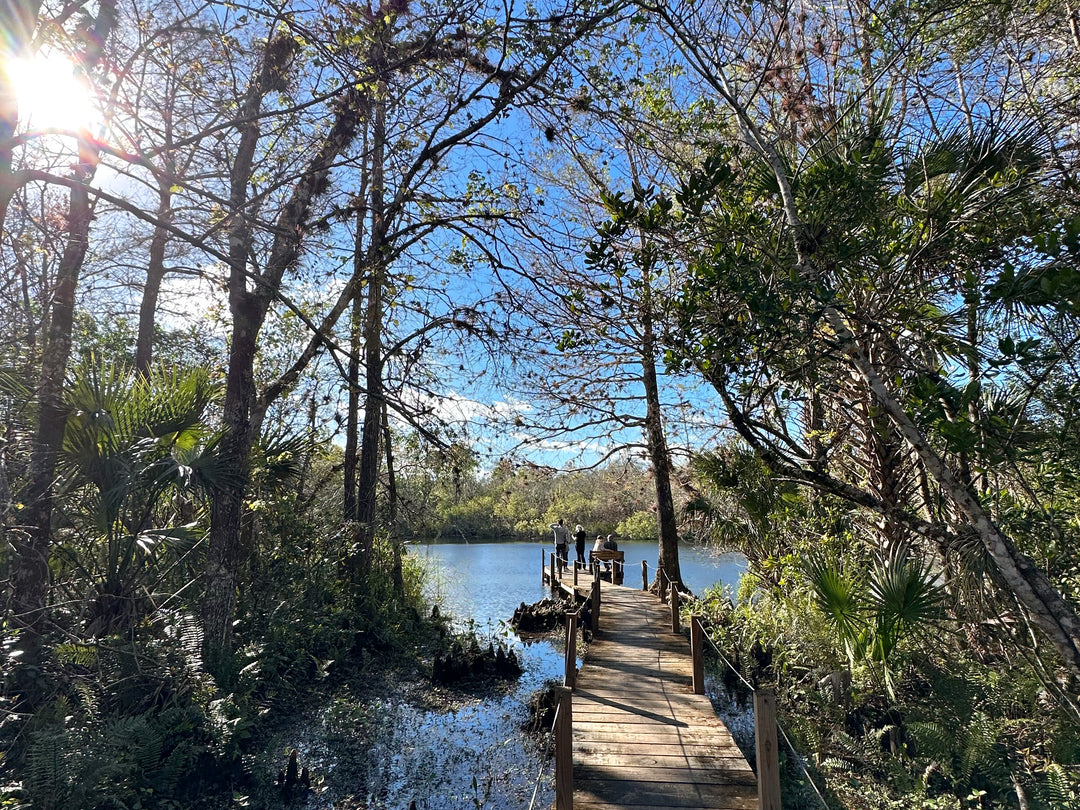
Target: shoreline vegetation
<point>159,732</point>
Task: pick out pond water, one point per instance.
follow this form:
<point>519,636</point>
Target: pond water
<point>484,582</point>
<point>477,755</point>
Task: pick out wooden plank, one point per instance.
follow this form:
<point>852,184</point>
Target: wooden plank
<point>683,774</point>
<point>642,739</point>
<point>664,794</point>
<point>653,736</point>
<point>657,758</point>
<point>717,749</point>
<point>658,713</point>
<point>602,747</point>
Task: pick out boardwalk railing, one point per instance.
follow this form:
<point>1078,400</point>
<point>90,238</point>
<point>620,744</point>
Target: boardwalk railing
<point>564,750</point>
<point>570,654</point>
<point>765,725</point>
<point>551,573</point>
<point>766,746</point>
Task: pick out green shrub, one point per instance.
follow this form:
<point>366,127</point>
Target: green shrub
<point>639,526</point>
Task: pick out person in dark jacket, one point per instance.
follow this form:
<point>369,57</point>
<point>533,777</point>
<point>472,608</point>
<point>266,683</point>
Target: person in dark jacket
<point>611,545</point>
<point>579,544</point>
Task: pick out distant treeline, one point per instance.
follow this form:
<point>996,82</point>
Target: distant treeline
<point>450,498</point>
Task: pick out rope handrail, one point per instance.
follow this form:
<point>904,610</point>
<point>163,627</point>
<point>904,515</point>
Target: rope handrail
<point>544,762</point>
<point>730,665</point>
<point>802,764</point>
<point>798,757</point>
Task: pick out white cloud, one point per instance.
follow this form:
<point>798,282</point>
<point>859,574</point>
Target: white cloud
<point>190,299</point>
<point>455,408</point>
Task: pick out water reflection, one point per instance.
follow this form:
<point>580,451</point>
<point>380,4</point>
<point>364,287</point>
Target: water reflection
<point>390,753</point>
<point>484,582</point>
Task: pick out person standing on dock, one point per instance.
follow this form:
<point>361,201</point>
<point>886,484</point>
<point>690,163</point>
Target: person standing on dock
<point>562,541</point>
<point>579,544</point>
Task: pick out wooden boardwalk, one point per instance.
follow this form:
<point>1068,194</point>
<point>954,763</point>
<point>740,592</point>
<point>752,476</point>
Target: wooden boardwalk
<point>642,738</point>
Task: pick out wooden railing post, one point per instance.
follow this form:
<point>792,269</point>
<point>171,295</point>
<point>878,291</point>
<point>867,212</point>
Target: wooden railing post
<point>554,562</point>
<point>543,566</point>
<point>570,675</point>
<point>596,601</point>
<point>697,653</point>
<point>575,573</point>
<point>564,751</point>
<point>768,753</point>
<point>675,628</point>
<point>644,575</point>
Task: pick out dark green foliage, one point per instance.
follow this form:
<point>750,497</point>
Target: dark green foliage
<point>132,726</point>
<point>138,461</point>
<point>949,727</point>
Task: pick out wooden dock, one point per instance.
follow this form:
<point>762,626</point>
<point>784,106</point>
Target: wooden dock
<point>641,738</point>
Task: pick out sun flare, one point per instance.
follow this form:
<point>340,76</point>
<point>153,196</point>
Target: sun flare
<point>50,93</point>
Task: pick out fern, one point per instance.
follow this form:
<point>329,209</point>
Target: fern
<point>81,655</point>
<point>50,767</point>
<point>89,699</point>
<point>837,764</point>
<point>136,742</point>
<point>1059,789</point>
<point>981,751</point>
<point>934,742</point>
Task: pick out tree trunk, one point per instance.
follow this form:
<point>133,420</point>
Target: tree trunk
<point>226,508</point>
<point>249,310</point>
<point>218,604</point>
<point>155,273</point>
<point>391,477</point>
<point>32,543</point>
<point>1049,610</point>
<point>658,452</point>
<point>368,466</point>
<point>392,497</point>
<point>352,416</point>
<point>309,456</point>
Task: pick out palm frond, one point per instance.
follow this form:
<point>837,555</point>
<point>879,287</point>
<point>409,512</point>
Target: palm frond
<point>905,595</point>
<point>836,593</point>
<point>278,460</point>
